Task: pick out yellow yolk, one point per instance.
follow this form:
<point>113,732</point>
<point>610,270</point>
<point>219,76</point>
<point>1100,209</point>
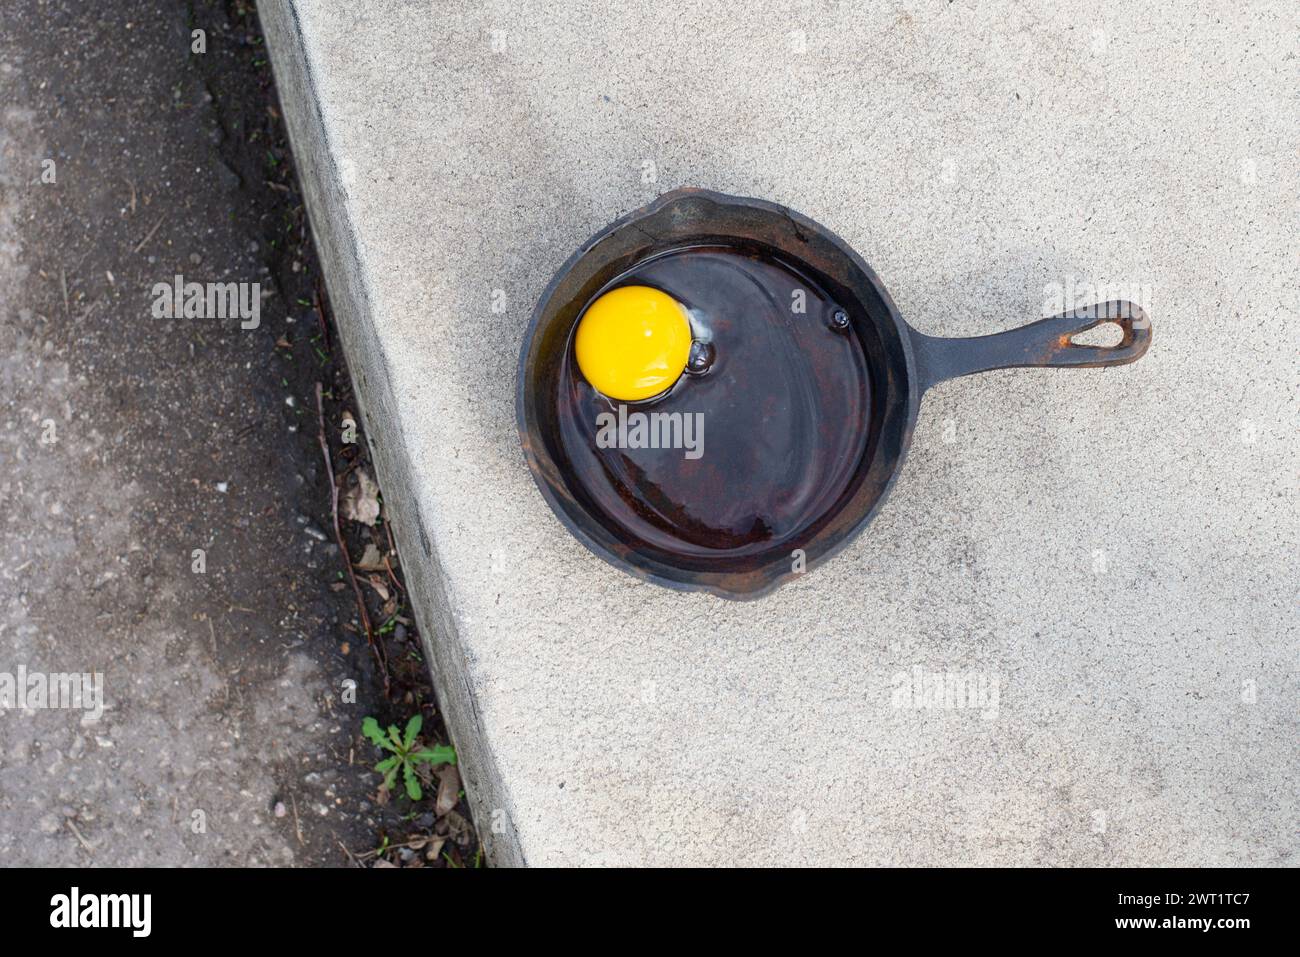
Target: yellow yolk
<point>633,343</point>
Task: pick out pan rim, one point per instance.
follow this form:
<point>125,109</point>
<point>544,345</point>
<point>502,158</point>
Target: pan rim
<point>736,586</point>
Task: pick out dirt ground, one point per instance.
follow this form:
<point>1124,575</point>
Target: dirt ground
<point>165,507</point>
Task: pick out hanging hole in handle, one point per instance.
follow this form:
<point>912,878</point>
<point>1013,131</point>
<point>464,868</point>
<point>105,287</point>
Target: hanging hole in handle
<point>1104,335</point>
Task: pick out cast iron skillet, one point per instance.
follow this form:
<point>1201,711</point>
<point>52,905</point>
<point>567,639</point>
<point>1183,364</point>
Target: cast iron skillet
<point>902,363</point>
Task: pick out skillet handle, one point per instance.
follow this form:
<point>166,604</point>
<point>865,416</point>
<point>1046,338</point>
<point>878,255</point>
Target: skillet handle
<point>1045,343</point>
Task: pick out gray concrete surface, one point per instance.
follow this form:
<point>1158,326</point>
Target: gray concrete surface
<point>1111,553</point>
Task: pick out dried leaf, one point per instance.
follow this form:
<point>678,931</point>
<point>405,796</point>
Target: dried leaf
<point>362,501</point>
<point>459,828</point>
<point>448,791</point>
<point>377,583</point>
<point>371,560</point>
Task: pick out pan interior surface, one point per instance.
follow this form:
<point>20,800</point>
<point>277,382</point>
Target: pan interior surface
<point>805,424</point>
<point>738,462</point>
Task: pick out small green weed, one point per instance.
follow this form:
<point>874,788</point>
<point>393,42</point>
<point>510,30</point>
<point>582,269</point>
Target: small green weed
<point>404,757</point>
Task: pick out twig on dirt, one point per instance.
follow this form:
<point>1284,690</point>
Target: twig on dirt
<point>393,576</point>
<point>149,235</point>
<point>348,468</point>
<point>297,825</point>
<point>63,281</point>
<point>343,546</point>
<point>80,837</point>
<point>320,316</point>
<point>370,855</point>
<point>352,857</point>
<point>392,550</point>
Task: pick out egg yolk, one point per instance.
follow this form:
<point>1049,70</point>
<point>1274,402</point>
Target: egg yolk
<point>633,343</point>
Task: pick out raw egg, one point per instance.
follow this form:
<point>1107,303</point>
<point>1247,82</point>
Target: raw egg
<point>633,343</point>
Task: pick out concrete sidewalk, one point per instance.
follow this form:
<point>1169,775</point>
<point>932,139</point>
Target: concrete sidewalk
<point>1110,554</point>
